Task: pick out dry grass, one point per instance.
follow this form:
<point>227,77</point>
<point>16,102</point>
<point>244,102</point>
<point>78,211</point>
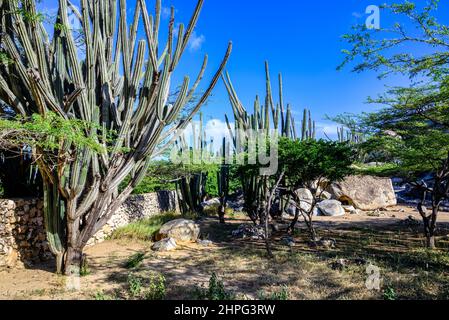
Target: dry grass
<point>143,229</point>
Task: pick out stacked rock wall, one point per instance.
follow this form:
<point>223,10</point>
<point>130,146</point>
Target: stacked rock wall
<point>22,230</point>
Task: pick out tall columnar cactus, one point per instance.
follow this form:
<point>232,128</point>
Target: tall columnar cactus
<point>349,135</point>
<point>264,118</point>
<point>308,127</point>
<point>191,185</point>
<point>192,191</point>
<point>111,79</point>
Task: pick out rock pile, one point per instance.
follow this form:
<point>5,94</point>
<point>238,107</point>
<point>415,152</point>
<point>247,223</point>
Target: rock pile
<point>248,231</point>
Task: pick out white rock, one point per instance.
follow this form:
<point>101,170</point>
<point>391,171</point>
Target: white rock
<point>305,198</point>
<point>167,244</point>
<point>331,208</point>
<point>365,192</point>
<point>180,229</point>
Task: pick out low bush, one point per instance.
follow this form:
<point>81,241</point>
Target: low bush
<point>216,291</point>
<point>281,295</point>
<point>146,288</point>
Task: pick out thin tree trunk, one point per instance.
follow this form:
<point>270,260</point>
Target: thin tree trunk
<point>429,220</point>
<point>431,242</point>
<point>222,209</point>
<point>267,213</point>
<point>292,226</point>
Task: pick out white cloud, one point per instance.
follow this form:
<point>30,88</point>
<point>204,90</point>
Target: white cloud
<point>196,41</point>
<point>165,12</point>
<point>215,130</point>
<point>357,15</point>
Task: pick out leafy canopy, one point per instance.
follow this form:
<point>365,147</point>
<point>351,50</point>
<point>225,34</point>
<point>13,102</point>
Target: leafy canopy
<point>304,162</point>
<point>48,133</point>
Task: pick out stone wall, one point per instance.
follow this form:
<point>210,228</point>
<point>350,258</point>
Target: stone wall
<point>138,207</point>
<point>22,232</point>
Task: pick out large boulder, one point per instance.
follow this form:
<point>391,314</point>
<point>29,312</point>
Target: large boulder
<point>305,197</point>
<point>331,208</point>
<point>364,192</point>
<point>180,230</point>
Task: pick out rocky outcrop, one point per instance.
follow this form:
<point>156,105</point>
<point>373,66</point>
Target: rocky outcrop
<point>364,192</point>
<point>180,230</point>
<point>249,231</point>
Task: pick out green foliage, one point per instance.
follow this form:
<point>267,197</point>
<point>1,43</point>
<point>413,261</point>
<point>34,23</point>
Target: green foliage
<point>422,32</point>
<point>5,59</point>
<point>135,260</point>
<point>85,269</point>
<point>306,161</point>
<point>158,178</point>
<point>389,294</point>
<point>162,175</point>
<point>48,133</point>
<point>155,289</point>
<point>281,295</point>
<point>146,288</point>
<point>427,259</point>
<point>144,229</point>
<point>382,170</point>
<point>134,285</point>
<point>101,296</point>
<point>211,187</point>
<point>216,291</point>
<point>413,127</point>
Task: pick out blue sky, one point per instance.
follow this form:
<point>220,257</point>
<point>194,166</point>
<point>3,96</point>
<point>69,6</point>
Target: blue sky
<point>300,39</point>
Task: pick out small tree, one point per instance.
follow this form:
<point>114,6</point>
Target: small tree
<point>414,124</point>
<point>312,165</point>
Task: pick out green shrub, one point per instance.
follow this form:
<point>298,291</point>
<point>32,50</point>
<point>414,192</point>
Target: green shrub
<point>134,285</point>
<point>156,288</point>
<point>390,294</point>
<point>216,291</point>
<point>281,295</point>
<point>147,288</point>
<point>144,229</point>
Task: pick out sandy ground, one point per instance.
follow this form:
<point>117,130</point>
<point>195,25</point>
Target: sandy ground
<point>187,267</point>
